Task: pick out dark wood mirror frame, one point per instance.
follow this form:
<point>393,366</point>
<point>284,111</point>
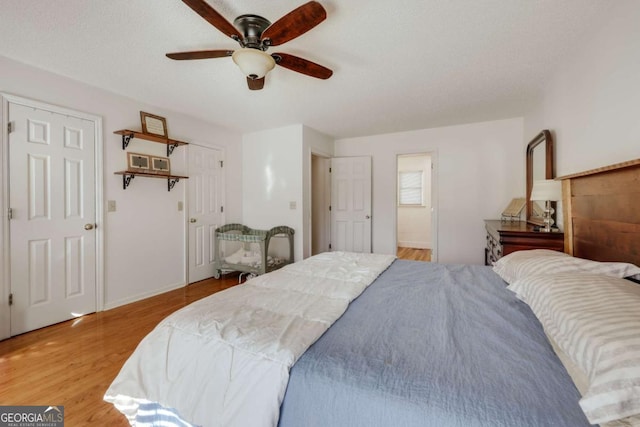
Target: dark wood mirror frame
<point>545,138</point>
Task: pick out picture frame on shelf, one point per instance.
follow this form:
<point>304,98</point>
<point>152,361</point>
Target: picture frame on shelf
<point>153,125</point>
<point>160,165</point>
<point>137,162</point>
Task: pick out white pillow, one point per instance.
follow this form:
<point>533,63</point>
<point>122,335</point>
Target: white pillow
<point>544,261</point>
<point>595,320</point>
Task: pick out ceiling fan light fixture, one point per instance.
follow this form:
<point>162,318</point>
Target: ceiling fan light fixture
<point>254,63</point>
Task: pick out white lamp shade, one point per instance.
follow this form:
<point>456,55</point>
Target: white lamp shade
<point>254,63</point>
<point>546,189</point>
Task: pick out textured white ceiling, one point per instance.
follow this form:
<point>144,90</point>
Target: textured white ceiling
<point>398,65</point>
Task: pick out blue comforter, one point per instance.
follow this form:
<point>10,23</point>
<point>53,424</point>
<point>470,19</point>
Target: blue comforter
<point>432,345</point>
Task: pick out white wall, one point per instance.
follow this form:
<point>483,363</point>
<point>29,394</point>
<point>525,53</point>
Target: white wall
<point>591,105</point>
<point>272,180</point>
<point>478,167</point>
<point>414,222</point>
<point>277,173</point>
<point>145,238</point>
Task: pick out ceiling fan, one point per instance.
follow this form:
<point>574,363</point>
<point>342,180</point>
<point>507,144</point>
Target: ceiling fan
<point>255,35</point>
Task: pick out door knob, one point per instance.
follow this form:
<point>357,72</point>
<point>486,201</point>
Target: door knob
<point>368,217</point>
<point>88,226</point>
<point>192,220</point>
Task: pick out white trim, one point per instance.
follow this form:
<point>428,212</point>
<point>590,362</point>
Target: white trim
<point>143,295</point>
<point>5,314</point>
<point>326,187</point>
<point>434,205</point>
<point>5,289</point>
<point>320,153</point>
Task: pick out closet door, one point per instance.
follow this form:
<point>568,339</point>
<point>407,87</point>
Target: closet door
<point>206,208</point>
<point>52,196</point>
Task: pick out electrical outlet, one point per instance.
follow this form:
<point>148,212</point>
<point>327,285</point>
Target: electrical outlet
<point>292,205</point>
<point>111,205</point>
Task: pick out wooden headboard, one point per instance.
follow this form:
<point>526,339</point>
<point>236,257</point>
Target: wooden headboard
<point>602,213</point>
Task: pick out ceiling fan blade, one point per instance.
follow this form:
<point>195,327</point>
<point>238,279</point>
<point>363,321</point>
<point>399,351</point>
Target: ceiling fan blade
<point>203,9</point>
<point>255,84</point>
<point>200,54</point>
<point>294,24</point>
<point>303,66</point>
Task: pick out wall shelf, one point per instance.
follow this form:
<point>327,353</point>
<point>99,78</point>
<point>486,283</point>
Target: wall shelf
<point>128,176</point>
<point>128,135</point>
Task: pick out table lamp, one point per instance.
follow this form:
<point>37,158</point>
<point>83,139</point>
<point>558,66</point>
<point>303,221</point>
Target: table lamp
<point>547,190</point>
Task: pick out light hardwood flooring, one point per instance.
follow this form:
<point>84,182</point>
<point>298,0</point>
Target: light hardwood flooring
<point>72,363</point>
<point>414,254</point>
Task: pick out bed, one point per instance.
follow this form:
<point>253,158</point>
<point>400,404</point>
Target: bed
<point>428,344</point>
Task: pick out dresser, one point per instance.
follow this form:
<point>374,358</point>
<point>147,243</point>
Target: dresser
<point>506,237</point>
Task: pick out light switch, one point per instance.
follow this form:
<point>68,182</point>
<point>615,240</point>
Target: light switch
<point>180,206</point>
<point>111,205</point>
<point>292,205</point>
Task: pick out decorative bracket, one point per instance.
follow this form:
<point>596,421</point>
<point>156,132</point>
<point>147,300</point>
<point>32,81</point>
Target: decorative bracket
<point>126,139</point>
<point>170,148</point>
<point>172,182</point>
<point>126,180</point>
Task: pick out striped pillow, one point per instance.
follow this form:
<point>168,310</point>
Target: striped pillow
<point>544,261</point>
<point>595,320</point>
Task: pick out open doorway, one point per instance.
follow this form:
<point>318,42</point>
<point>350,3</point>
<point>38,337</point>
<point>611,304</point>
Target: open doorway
<point>320,202</point>
<point>414,235</point>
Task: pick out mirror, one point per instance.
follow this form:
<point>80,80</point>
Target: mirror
<point>539,166</point>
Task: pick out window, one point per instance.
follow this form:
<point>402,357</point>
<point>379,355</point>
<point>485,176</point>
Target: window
<point>410,191</point>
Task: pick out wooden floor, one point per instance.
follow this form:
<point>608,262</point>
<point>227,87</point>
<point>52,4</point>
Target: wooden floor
<point>72,364</point>
<point>414,254</point>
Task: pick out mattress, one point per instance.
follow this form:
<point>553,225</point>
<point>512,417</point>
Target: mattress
<point>432,345</point>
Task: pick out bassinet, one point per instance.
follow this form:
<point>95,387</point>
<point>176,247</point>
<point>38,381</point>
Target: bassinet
<point>245,259</point>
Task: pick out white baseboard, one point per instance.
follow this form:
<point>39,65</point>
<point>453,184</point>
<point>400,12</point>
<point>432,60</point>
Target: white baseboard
<point>416,245</point>
<point>145,295</point>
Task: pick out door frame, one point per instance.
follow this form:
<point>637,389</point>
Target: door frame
<point>5,260</point>
<point>325,187</point>
<point>434,199</point>
<point>187,201</point>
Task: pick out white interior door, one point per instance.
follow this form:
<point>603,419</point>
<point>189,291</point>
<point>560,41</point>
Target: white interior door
<point>206,208</point>
<point>52,227</point>
<point>351,204</point>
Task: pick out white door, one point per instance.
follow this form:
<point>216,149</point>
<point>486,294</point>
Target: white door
<point>52,226</point>
<point>206,205</point>
<point>351,204</point>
